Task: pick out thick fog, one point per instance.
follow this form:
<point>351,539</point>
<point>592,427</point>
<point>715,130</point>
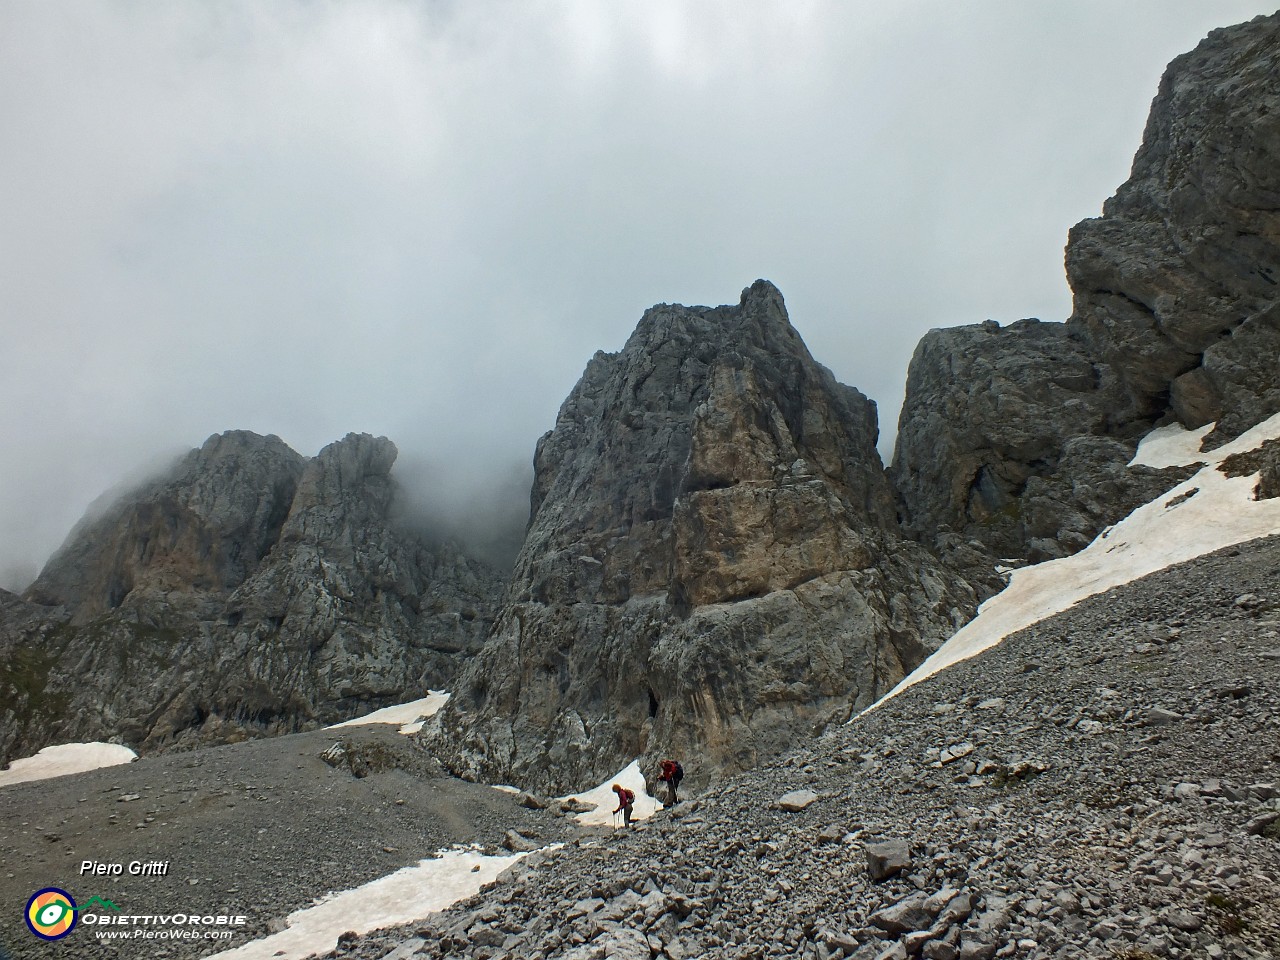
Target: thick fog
<point>420,219</point>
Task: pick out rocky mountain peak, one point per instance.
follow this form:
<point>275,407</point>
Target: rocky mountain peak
<point>195,532</point>
<point>712,561</point>
<point>768,296</point>
<point>760,318</point>
<point>345,486</point>
<point>700,399</point>
<point>248,590</point>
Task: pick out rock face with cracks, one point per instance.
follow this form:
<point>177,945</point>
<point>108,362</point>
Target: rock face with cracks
<point>712,566</point>
<point>1176,283</point>
<point>1003,444</point>
<point>248,591</point>
<point>1013,441</point>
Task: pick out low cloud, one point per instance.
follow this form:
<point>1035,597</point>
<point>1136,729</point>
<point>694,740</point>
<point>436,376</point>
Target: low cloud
<point>420,218</point>
<point>486,516</point>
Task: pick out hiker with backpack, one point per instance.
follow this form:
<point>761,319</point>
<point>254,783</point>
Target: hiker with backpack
<point>626,801</point>
<point>671,773</point>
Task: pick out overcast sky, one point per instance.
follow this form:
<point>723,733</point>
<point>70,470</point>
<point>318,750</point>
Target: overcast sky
<point>421,219</point>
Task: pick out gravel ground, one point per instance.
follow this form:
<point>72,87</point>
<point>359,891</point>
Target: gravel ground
<point>257,829</point>
<point>1103,784</point>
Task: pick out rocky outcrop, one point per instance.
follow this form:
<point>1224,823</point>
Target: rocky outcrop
<point>1264,461</point>
<point>28,704</point>
<point>1013,442</point>
<point>248,591</point>
<point>712,564</point>
<point>1176,281</point>
<point>1003,449</point>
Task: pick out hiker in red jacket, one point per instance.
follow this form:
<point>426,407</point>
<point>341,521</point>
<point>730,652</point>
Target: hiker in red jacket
<point>671,773</point>
<point>626,800</point>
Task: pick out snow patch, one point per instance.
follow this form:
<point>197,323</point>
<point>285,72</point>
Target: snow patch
<point>409,715</point>
<point>606,800</point>
<point>1171,446</point>
<point>405,896</point>
<point>1205,513</point>
<point>58,761</point>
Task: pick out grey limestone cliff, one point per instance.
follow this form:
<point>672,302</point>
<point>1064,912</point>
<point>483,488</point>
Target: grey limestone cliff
<point>185,539</point>
<point>250,590</point>
<point>1176,282</point>
<point>712,564</point>
<point>1003,449</point>
<point>1014,441</point>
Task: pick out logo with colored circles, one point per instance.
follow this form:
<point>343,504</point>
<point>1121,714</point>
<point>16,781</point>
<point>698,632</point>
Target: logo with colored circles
<point>51,913</point>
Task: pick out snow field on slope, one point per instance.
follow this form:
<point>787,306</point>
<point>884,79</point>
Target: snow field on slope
<point>409,894</point>
<point>1171,446</point>
<point>412,893</point>
<point>1205,513</point>
<point>80,758</point>
<point>65,758</point>
<point>408,715</point>
<point>606,800</point>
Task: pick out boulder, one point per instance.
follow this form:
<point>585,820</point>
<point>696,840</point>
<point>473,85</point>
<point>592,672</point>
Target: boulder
<point>796,800</point>
<point>518,844</point>
<point>903,917</point>
<point>887,858</point>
